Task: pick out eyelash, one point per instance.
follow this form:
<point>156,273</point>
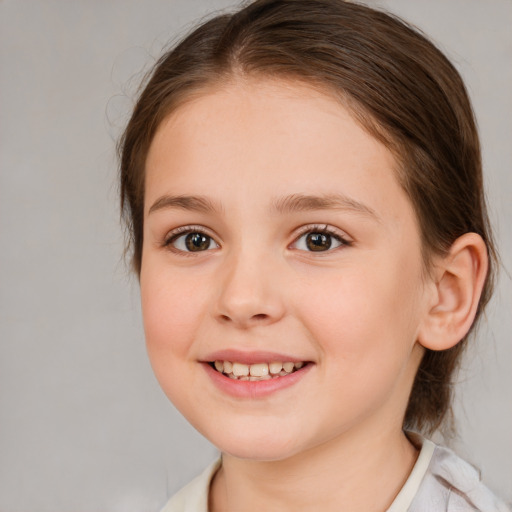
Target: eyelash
<point>314,228</point>
<point>324,230</point>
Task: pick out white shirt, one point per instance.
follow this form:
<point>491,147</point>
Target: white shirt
<point>440,481</point>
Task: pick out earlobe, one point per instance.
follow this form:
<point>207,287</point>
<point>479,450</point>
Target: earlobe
<point>459,280</point>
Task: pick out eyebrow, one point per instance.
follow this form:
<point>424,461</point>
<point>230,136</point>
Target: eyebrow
<point>192,203</point>
<point>283,205</point>
<point>301,202</point>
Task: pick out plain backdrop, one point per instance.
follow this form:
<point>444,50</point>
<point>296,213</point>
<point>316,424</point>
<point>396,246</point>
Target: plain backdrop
<point>84,426</point>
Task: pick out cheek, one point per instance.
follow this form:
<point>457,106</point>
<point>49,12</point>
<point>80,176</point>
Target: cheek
<point>365,312</point>
<point>364,324</point>
<point>170,313</point>
<point>171,317</point>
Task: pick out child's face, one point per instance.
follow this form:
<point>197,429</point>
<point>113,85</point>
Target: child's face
<point>305,249</point>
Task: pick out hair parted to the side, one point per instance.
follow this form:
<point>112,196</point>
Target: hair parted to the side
<point>395,82</point>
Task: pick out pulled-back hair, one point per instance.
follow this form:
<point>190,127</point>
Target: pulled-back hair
<point>396,84</point>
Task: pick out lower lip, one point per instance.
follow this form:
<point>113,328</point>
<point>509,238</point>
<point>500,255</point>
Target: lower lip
<point>256,388</point>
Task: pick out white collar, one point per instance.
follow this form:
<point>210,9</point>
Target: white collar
<point>406,495</point>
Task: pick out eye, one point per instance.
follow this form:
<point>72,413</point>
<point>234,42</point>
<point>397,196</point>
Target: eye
<point>191,241</point>
<point>319,240</point>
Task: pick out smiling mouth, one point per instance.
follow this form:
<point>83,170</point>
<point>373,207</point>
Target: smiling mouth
<point>258,371</point>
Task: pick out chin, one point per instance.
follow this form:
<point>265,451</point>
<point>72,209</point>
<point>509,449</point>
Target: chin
<point>257,446</point>
<point>262,453</point>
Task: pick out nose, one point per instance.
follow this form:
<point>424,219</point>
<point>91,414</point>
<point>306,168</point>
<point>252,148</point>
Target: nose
<point>249,293</point>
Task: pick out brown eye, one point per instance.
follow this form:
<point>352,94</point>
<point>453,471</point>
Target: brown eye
<point>197,242</point>
<point>318,241</point>
<point>193,241</point>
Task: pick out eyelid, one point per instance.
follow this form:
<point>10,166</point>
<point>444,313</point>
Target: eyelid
<point>181,230</point>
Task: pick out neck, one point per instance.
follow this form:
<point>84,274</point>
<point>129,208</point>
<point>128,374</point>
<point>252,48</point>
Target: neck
<point>363,471</point>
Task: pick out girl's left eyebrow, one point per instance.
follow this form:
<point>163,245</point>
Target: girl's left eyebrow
<point>301,202</point>
<point>288,204</point>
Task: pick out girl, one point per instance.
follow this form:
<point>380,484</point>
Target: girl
<point>302,183</point>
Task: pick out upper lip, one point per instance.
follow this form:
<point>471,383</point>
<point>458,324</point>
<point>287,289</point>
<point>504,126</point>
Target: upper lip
<point>251,357</point>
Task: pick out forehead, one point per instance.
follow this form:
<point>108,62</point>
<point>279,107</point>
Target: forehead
<point>290,136</point>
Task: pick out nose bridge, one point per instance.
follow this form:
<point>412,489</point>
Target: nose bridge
<point>249,293</point>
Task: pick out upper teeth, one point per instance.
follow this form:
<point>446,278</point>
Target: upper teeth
<point>261,371</point>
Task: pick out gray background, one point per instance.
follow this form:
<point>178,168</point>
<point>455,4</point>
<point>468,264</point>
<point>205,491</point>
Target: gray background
<point>83,423</point>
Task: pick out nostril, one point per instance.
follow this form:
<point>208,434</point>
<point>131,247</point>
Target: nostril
<point>254,318</point>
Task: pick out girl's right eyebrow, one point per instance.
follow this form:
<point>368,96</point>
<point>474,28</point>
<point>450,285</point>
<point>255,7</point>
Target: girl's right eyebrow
<point>194,203</point>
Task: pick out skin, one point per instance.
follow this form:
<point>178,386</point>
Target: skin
<point>357,312</point>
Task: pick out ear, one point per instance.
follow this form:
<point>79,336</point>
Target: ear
<point>458,281</point>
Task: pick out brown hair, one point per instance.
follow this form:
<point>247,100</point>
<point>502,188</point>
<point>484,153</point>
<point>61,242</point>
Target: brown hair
<point>398,85</point>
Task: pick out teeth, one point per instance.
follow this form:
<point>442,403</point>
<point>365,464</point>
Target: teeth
<point>240,370</point>
<point>258,371</point>
<point>265,377</point>
<point>275,367</point>
<point>288,367</point>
